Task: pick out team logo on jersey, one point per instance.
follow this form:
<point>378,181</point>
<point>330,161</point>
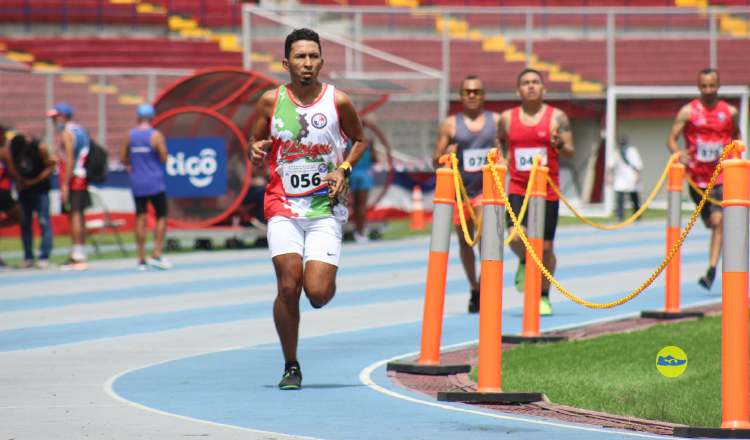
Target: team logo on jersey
<point>541,133</point>
<point>721,116</point>
<point>289,151</point>
<point>319,120</point>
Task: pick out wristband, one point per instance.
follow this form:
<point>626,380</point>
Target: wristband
<point>347,167</point>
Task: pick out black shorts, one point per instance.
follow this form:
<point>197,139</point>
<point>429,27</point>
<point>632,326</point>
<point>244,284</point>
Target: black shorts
<point>79,200</point>
<point>551,213</point>
<point>6,200</point>
<point>158,201</point>
<point>709,208</point>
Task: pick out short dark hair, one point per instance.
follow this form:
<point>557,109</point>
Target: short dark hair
<point>709,71</point>
<point>300,35</point>
<point>529,70</point>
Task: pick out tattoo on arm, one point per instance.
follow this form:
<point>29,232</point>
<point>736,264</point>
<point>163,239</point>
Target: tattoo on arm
<point>563,123</point>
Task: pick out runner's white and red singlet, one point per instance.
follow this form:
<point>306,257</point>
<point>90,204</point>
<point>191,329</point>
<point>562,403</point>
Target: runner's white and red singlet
<point>524,143</point>
<point>706,132</point>
<point>307,144</point>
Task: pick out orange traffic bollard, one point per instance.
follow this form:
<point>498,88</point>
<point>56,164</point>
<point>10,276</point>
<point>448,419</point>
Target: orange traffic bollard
<point>489,387</point>
<point>672,284</point>
<point>735,414</point>
<point>417,209</point>
<point>437,268</point>
<point>533,291</point>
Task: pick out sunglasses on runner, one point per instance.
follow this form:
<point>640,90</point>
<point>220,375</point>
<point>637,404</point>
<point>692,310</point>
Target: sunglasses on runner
<point>469,92</point>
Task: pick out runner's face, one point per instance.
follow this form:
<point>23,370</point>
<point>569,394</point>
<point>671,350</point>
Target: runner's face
<point>708,86</point>
<point>472,94</point>
<point>530,87</point>
<point>304,62</point>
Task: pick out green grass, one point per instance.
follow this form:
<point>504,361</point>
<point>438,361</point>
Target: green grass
<point>617,373</point>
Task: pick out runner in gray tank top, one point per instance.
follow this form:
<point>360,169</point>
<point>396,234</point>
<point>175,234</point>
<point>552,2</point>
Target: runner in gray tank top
<point>470,134</point>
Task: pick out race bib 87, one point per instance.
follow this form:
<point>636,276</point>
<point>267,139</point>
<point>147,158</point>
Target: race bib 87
<point>525,157</point>
<point>475,159</point>
<point>303,178</point>
<point>709,151</point>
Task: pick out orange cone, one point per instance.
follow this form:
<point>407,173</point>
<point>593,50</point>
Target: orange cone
<point>417,209</point>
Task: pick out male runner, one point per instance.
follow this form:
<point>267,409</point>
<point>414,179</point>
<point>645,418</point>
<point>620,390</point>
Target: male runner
<point>708,124</point>
<point>301,133</point>
<point>470,134</point>
<point>73,183</point>
<point>145,154</point>
<point>531,129</point>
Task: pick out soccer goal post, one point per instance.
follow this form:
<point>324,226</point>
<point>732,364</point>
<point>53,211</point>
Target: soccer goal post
<point>654,149</point>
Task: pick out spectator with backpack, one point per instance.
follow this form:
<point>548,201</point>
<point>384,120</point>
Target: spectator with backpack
<point>34,166</point>
<point>75,145</point>
<point>145,155</point>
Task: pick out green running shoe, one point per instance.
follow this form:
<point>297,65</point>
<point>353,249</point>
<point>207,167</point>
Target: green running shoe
<point>545,308</point>
<point>292,379</point>
<point>521,277</point>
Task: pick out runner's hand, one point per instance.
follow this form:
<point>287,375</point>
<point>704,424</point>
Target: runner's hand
<point>684,157</point>
<point>336,182</point>
<point>259,150</point>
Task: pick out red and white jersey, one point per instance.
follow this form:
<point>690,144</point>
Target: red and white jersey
<point>524,143</point>
<point>706,132</point>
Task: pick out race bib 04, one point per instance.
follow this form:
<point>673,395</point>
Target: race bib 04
<point>303,178</point>
<point>474,160</point>
<point>709,151</point>
<point>525,157</point>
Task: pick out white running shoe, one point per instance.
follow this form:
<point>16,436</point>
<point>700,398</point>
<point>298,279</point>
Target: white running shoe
<point>361,238</point>
<point>159,263</point>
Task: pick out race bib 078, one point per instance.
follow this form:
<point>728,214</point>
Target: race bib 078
<point>303,178</point>
<point>709,151</point>
<point>525,157</point>
<point>474,160</point>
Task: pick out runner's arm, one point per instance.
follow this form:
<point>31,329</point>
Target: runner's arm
<point>735,121</point>
<point>125,154</point>
<point>443,144</point>
<point>260,142</point>
<point>352,128</point>
<point>157,140</point>
<point>68,150</point>
<point>562,136</point>
<point>502,134</point>
<point>677,127</point>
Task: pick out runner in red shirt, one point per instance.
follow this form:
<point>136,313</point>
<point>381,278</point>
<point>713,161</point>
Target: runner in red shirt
<point>531,129</point>
<point>707,124</point>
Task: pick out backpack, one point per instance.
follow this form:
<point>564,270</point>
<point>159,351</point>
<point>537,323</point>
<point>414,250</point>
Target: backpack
<point>96,163</point>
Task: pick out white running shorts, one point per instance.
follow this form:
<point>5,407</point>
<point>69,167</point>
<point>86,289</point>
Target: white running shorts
<point>314,239</point>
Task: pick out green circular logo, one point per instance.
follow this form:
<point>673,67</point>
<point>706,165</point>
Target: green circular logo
<point>671,361</point>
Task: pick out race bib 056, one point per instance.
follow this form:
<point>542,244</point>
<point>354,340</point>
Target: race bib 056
<point>303,178</point>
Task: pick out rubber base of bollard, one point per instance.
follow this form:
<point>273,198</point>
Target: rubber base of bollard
<point>477,397</point>
<point>695,432</point>
<point>661,314</point>
<point>413,367</point>
<point>520,339</point>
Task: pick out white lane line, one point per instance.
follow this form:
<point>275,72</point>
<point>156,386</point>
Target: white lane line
<point>108,390</point>
<point>365,377</point>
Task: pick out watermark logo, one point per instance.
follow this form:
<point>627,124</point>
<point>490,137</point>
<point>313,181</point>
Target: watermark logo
<point>671,361</point>
<point>196,167</point>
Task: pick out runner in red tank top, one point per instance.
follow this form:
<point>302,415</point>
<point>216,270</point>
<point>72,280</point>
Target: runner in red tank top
<point>707,124</point>
<point>531,129</point>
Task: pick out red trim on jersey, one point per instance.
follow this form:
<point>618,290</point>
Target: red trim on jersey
<point>524,136</point>
<point>708,125</point>
<point>299,104</point>
<point>4,177</point>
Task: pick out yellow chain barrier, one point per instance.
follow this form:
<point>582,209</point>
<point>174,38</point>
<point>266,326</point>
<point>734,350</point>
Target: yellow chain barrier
<point>460,192</point>
<point>700,192</point>
<point>627,221</point>
<point>650,279</point>
<point>525,204</point>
